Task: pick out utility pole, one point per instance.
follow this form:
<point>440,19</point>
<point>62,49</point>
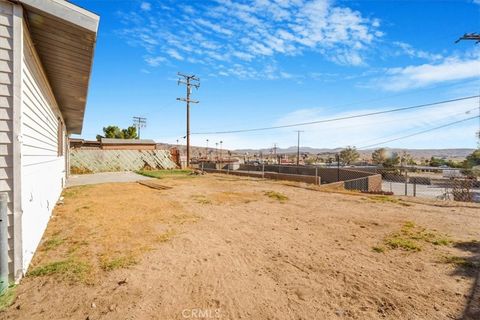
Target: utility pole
<point>207,150</point>
<point>275,152</point>
<point>139,122</point>
<point>221,150</point>
<point>475,37</point>
<point>298,146</point>
<point>189,81</point>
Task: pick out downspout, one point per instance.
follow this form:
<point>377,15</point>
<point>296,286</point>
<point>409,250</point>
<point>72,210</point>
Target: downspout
<point>4,271</point>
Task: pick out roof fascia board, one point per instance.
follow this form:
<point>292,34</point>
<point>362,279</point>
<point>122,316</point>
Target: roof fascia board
<point>66,11</point>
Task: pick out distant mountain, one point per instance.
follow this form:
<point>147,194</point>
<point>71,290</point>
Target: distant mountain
<point>452,154</point>
<point>416,153</point>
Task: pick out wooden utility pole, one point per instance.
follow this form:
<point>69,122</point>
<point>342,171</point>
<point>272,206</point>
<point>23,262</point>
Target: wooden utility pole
<point>139,122</point>
<point>189,81</point>
<point>298,146</point>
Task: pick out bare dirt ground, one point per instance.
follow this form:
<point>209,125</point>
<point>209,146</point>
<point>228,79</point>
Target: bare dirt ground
<point>222,247</point>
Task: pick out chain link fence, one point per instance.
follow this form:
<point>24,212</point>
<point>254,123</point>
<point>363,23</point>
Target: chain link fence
<point>433,183</point>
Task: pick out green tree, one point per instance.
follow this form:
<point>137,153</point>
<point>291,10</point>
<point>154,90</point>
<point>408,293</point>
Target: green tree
<point>114,132</point>
<point>435,162</point>
<point>130,133</point>
<point>473,159</point>
<point>392,161</point>
<point>379,156</point>
<point>349,155</point>
<point>383,157</point>
<point>407,159</point>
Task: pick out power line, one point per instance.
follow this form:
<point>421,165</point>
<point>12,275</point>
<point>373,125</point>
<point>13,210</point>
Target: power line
<point>420,132</point>
<point>339,118</point>
<point>448,116</point>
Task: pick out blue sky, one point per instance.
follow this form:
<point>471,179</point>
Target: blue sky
<point>273,62</point>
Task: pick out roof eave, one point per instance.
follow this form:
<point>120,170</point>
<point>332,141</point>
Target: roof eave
<point>67,12</point>
<point>83,21</point>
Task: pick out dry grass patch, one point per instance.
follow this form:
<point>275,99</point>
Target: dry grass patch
<point>70,270</point>
<point>173,173</point>
<point>234,197</point>
<point>105,227</point>
<point>412,238</point>
<point>7,298</point>
<point>201,199</point>
<point>52,243</point>
<point>388,199</point>
<point>276,196</point>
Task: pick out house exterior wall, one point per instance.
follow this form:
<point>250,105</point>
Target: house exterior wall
<point>43,150</point>
<point>6,115</point>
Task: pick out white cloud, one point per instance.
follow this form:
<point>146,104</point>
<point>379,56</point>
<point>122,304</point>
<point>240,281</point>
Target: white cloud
<point>416,76</point>
<point>145,6</point>
<point>410,51</point>
<point>255,33</point>
<point>155,61</point>
<point>214,27</point>
<point>174,54</point>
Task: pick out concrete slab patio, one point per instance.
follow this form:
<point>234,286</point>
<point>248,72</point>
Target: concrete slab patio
<point>104,177</point>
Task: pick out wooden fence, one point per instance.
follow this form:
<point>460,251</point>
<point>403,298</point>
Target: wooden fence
<point>90,161</point>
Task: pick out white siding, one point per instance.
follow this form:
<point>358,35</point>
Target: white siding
<point>6,112</point>
<point>42,171</point>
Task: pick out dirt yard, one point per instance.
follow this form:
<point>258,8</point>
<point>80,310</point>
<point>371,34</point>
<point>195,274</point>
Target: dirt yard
<point>223,247</point>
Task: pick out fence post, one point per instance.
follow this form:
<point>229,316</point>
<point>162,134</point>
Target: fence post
<point>414,187</point>
<point>3,242</point>
<point>202,167</point>
<point>263,170</point>
<point>406,182</point>
<point>316,175</point>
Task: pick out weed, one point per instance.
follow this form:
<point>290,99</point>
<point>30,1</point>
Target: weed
<point>7,298</point>
<point>410,237</point>
<point>73,191</point>
<point>164,237</point>
<point>441,241</point>
<point>276,195</point>
<point>389,199</point>
<point>397,242</point>
<point>70,269</point>
<point>108,264</point>
<point>378,249</point>
<point>159,174</point>
<point>52,243</point>
<point>201,199</point>
<point>408,225</point>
